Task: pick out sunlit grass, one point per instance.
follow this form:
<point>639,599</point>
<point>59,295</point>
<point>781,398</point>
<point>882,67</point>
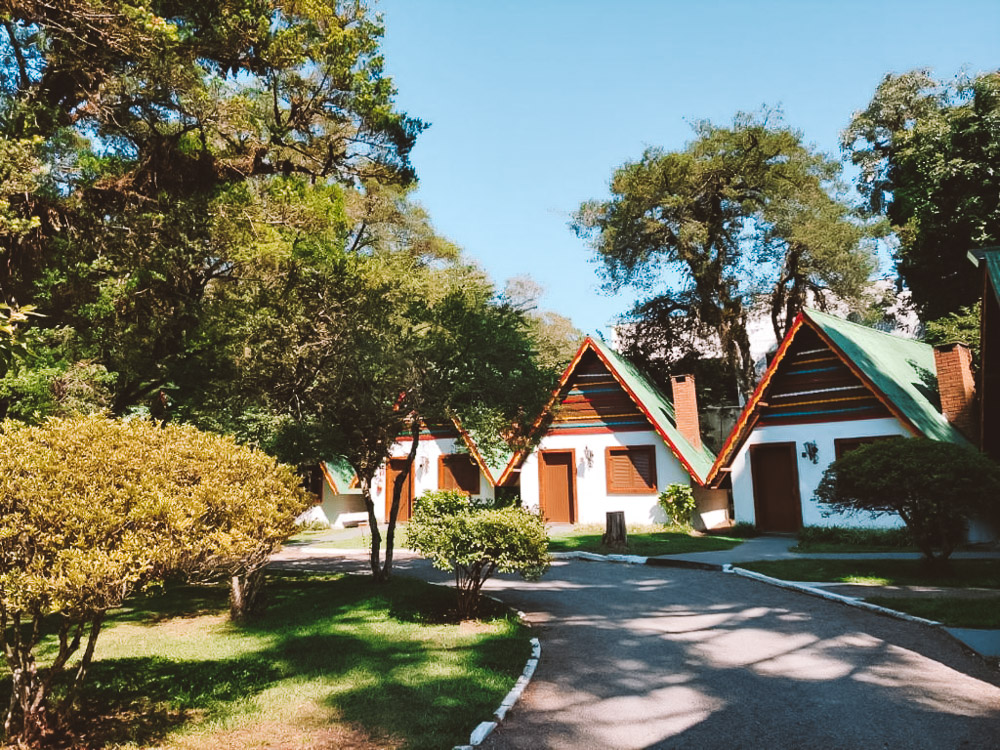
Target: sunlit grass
<point>956,573</point>
<point>955,612</point>
<point>335,661</point>
<point>644,540</point>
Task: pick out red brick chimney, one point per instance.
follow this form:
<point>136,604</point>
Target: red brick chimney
<point>957,387</point>
<point>686,408</point>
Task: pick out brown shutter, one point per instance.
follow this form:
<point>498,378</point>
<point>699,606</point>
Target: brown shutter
<point>631,470</point>
<point>458,472</point>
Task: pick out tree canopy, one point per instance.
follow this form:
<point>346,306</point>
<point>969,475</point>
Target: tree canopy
<point>928,152</point>
<point>743,213</point>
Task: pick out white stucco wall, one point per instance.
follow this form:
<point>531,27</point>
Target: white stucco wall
<point>592,499</point>
<point>343,510</point>
<point>810,474</point>
<point>425,472</point>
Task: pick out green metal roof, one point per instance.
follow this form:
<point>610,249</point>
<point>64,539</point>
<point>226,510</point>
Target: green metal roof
<point>659,410</point>
<point>992,259</point>
<point>342,473</point>
<point>902,369</point>
<point>494,457</point>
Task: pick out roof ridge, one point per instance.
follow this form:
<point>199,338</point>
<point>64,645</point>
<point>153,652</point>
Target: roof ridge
<point>810,310</point>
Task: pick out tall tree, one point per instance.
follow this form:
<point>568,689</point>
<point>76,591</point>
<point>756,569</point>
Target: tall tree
<point>928,152</point>
<point>743,212</point>
<point>150,120</point>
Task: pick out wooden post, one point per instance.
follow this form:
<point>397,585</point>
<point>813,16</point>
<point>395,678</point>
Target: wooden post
<point>614,531</point>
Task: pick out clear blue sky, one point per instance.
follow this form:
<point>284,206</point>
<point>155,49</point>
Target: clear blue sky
<point>533,104</point>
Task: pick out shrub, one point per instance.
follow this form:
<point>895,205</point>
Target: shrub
<point>677,501</point>
<point>935,487</point>
<point>475,542</point>
<point>741,530</point>
<point>92,510</point>
<point>859,537</point>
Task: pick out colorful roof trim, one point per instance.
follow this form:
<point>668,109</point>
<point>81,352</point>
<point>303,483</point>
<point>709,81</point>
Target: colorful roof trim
<point>339,474</point>
<point>492,462</point>
<point>647,397</point>
<point>901,372</point>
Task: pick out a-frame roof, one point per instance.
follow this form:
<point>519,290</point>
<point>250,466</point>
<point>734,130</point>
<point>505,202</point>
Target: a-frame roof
<point>339,474</point>
<point>491,462</point>
<point>646,396</point>
<point>989,258</point>
<point>900,372</point>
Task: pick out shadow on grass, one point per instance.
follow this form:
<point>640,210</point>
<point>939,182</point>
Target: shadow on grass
<point>366,646</point>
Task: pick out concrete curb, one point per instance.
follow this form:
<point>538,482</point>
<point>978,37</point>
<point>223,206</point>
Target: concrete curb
<point>594,557</point>
<point>483,729</point>
<point>850,601</point>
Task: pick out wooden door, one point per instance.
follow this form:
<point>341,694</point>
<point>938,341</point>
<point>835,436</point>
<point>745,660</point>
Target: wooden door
<point>776,487</point>
<point>557,485</point>
<point>394,469</point>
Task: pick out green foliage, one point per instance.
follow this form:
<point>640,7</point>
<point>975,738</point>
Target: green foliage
<point>476,542</point>
<point>928,152</point>
<point>741,209</point>
<point>960,326</point>
<point>677,501</point>
<point>92,510</point>
<point>743,530</point>
<point>849,539</point>
<point>934,487</point>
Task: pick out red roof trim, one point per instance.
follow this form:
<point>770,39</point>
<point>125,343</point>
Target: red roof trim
<point>328,477</point>
<point>748,415</point>
<point>588,343</point>
<point>474,451</point>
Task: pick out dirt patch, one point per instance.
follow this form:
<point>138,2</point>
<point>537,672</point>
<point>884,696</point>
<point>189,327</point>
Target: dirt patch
<point>281,735</point>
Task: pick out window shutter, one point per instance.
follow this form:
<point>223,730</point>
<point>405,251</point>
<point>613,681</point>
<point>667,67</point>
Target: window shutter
<point>631,470</point>
<point>459,472</point>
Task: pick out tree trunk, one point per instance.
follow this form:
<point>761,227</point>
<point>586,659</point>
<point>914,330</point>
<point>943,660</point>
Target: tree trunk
<point>374,556</point>
<point>397,491</point>
<point>614,530</point>
<point>246,592</point>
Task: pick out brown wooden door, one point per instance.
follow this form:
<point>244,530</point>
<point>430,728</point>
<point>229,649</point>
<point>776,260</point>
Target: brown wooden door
<point>394,469</point>
<point>556,485</point>
<point>776,487</point>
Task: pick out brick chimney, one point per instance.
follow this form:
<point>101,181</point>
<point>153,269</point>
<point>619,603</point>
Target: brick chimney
<point>957,387</point>
<point>686,408</point>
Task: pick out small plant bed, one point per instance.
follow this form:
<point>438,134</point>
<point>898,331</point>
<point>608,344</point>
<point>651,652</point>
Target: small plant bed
<point>955,573</point>
<point>336,661</point>
<point>953,611</point>
<point>821,539</point>
<point>646,541</point>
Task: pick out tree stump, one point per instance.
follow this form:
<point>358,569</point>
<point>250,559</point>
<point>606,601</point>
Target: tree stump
<point>614,530</point>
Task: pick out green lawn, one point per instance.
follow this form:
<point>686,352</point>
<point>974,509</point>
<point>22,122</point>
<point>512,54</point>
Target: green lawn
<point>336,662</point>
<point>960,573</point>
<point>951,611</point>
<point>823,539</point>
<point>353,538</point>
<point>644,541</point>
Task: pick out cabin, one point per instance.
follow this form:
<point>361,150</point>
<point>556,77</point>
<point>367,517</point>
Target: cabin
<point>988,261</point>
<point>339,502</point>
<point>612,442</point>
<point>448,458</point>
<point>832,386</point>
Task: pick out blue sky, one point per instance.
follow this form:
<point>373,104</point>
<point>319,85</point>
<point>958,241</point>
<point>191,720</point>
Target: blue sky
<point>532,105</point>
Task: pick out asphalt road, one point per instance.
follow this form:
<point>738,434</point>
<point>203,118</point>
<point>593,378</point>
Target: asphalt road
<point>641,657</point>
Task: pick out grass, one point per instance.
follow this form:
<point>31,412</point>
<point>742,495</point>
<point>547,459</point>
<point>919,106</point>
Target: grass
<point>352,538</point>
<point>642,540</point>
<point>336,661</point>
<point>823,539</point>
<point>958,574</point>
<point>954,612</point>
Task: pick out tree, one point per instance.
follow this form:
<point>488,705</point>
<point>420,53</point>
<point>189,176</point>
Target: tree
<point>934,487</point>
<point>555,335</point>
<point>928,152</point>
<point>476,542</point>
<point>138,130</point>
<point>91,511</point>
<point>742,211</point>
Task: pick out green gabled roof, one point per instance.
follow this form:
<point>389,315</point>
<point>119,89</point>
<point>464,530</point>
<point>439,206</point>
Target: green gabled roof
<point>992,260</point>
<point>493,458</point>
<point>339,473</point>
<point>658,409</point>
<point>903,370</point>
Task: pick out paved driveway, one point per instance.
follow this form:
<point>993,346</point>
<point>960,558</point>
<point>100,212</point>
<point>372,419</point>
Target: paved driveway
<point>642,657</point>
